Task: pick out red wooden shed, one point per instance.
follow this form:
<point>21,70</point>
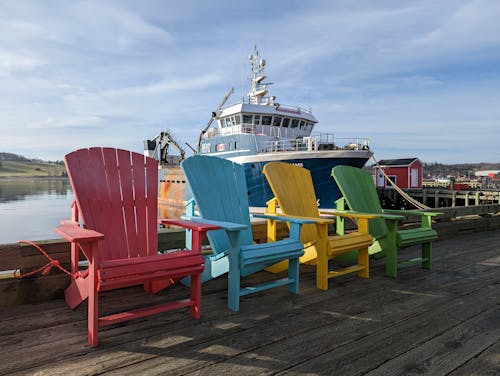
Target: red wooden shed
<point>406,173</point>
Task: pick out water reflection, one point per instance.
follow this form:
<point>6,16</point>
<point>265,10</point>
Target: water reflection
<point>21,189</point>
<point>32,208</point>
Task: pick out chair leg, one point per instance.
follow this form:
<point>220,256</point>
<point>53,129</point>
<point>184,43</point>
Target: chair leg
<point>233,297</point>
<point>93,308</point>
<point>364,259</point>
<point>322,270</point>
<point>293,274</point>
<point>391,266</point>
<point>233,293</point>
<point>195,309</point>
<point>426,255</point>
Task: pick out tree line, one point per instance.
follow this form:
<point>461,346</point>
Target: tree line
<point>19,158</point>
<point>460,169</point>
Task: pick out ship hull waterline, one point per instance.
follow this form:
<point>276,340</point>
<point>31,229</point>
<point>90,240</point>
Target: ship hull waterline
<point>259,191</point>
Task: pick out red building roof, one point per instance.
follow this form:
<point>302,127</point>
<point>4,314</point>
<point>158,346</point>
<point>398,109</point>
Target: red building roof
<point>398,162</point>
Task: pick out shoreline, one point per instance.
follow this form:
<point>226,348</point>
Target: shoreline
<point>34,177</point>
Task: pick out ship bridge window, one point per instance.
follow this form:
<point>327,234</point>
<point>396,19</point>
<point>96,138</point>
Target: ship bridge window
<point>295,123</point>
<point>302,122</point>
<point>286,122</point>
<point>277,121</point>
<point>266,120</point>
<point>230,121</point>
<point>247,119</point>
<point>257,119</point>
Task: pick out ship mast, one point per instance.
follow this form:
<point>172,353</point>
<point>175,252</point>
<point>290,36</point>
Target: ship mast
<point>258,88</point>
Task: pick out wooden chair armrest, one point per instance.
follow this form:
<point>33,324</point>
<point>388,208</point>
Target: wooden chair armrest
<point>293,218</point>
<point>74,233</point>
<point>412,212</point>
<point>379,215</point>
<point>196,226</point>
<point>350,214</point>
<point>296,222</point>
<point>229,226</point>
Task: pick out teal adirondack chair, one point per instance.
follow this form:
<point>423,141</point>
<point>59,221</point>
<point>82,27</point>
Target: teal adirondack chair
<point>360,195</point>
<point>220,194</point>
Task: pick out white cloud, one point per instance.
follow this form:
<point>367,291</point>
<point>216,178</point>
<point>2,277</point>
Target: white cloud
<point>118,72</point>
<point>51,122</point>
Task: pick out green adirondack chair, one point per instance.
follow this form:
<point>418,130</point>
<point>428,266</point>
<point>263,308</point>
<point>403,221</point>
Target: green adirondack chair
<point>220,193</point>
<point>360,195</point>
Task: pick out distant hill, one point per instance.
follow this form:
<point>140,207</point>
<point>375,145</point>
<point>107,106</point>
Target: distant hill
<point>462,169</point>
<point>13,165</point>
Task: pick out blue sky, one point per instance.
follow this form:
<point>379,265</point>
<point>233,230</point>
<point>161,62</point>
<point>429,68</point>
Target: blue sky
<point>417,78</point>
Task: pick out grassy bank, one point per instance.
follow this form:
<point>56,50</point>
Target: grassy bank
<point>30,169</point>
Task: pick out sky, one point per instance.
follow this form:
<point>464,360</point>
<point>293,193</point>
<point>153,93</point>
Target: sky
<point>417,78</point>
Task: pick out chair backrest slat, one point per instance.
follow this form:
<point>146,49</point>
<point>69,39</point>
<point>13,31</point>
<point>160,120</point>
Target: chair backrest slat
<point>294,190</point>
<point>359,191</point>
<point>116,193</point>
<point>152,205</point>
<point>219,190</point>
<point>114,225</point>
<point>139,183</point>
<point>127,197</point>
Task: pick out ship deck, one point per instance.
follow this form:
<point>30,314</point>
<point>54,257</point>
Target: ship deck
<point>444,321</point>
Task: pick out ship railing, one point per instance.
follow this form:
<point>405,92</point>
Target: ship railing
<point>291,109</point>
<point>259,129</point>
<point>247,128</point>
<point>315,142</point>
<point>269,101</point>
<point>291,138</point>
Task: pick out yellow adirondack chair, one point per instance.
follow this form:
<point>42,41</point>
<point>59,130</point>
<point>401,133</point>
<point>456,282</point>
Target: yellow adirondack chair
<point>294,194</point>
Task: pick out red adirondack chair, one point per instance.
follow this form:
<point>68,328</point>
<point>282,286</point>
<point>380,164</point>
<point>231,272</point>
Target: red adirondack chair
<point>115,226</point>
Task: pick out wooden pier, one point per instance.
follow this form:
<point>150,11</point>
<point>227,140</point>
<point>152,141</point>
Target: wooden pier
<point>442,197</point>
<point>444,321</point>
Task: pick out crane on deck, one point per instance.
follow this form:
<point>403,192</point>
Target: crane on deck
<point>214,116</point>
<point>158,148</point>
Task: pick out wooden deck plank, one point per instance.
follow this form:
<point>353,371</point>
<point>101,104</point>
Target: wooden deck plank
<point>486,363</point>
<point>394,339</point>
<point>379,325</point>
<point>306,347</point>
<point>446,352</point>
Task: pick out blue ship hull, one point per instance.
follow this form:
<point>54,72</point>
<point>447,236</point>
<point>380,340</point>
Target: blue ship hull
<point>325,187</point>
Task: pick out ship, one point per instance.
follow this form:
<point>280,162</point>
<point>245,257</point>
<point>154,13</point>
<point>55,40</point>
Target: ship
<point>254,131</point>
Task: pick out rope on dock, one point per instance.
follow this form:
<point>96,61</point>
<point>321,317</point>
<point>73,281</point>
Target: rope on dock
<point>405,195</point>
<point>45,270</point>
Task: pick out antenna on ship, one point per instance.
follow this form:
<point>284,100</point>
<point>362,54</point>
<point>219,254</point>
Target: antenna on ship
<point>242,76</point>
<point>258,89</point>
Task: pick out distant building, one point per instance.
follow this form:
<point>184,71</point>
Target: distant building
<point>407,173</point>
<point>492,174</point>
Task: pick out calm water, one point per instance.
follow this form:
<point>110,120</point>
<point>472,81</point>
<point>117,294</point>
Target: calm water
<point>31,209</point>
